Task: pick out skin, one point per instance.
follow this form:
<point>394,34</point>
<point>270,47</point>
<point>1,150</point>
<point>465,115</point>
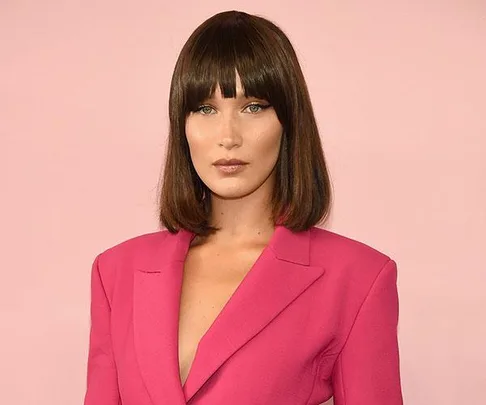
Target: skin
<point>232,128</point>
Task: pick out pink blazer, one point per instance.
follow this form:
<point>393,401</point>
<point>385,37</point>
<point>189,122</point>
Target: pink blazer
<point>315,317</point>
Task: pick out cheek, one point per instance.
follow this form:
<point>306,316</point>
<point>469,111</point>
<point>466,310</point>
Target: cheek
<point>269,138</point>
<point>267,145</point>
<point>198,143</point>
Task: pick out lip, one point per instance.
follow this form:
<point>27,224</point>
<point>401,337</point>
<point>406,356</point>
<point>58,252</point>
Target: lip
<point>229,162</point>
<point>230,169</point>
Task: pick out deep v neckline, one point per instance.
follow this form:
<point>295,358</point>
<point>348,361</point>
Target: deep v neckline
<point>219,314</point>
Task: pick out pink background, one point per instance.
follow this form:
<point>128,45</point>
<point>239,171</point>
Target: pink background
<point>399,93</point>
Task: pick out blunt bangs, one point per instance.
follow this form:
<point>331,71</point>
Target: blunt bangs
<point>219,50</point>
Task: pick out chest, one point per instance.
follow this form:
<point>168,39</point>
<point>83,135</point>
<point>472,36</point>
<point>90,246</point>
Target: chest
<point>209,281</point>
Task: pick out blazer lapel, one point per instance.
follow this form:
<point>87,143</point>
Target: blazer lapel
<point>278,277</point>
<point>156,295</point>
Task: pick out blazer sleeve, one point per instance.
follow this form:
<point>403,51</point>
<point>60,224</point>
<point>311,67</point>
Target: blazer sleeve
<point>367,369</point>
<point>102,384</point>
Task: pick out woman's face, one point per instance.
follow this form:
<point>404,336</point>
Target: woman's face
<point>234,128</point>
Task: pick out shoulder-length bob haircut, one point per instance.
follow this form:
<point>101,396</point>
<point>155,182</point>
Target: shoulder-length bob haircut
<point>267,64</point>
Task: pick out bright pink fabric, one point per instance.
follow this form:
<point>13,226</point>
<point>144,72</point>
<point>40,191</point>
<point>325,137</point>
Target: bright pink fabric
<point>316,316</point>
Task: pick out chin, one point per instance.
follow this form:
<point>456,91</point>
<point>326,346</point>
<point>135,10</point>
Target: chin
<point>231,191</point>
<point>230,194</point>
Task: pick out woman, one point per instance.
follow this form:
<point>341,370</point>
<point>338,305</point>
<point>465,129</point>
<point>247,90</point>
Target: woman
<point>242,299</point>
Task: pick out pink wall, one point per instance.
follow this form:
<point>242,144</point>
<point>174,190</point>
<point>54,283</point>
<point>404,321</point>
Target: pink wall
<point>399,93</point>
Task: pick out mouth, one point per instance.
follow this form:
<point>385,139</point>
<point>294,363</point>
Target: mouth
<point>229,162</point>
<point>230,168</point>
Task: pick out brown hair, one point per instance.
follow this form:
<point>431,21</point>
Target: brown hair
<point>268,68</point>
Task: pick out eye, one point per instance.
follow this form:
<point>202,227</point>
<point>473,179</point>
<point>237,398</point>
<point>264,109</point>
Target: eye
<point>253,108</point>
<point>259,107</point>
<point>204,109</point>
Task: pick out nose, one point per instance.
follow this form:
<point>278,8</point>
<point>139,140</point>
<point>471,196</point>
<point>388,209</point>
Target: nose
<point>229,132</point>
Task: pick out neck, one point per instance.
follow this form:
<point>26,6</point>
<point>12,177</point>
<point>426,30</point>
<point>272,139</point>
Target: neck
<point>242,220</point>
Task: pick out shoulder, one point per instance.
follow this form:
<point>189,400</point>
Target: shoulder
<point>345,259</point>
<point>136,244</point>
<point>331,244</point>
<point>130,252</point>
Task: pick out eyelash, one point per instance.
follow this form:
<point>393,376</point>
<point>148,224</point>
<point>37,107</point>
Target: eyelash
<point>262,107</point>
